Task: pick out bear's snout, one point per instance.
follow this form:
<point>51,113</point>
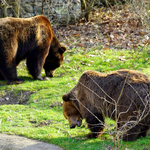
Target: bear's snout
<point>78,123</point>
<point>72,126</point>
<point>50,73</point>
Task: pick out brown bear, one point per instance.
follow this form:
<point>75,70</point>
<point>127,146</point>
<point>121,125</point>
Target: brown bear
<point>123,96</point>
<point>32,39</point>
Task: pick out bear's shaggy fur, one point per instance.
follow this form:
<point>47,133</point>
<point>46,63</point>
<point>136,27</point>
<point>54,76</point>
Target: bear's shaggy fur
<point>30,38</point>
<point>123,96</point>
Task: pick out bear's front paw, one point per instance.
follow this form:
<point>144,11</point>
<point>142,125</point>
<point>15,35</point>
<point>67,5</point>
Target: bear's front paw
<point>91,135</point>
<point>45,78</point>
<point>40,78</point>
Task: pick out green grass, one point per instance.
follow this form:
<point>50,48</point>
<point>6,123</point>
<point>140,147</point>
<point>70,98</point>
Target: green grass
<point>44,103</point>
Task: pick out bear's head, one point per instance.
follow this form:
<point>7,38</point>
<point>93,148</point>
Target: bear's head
<point>54,58</point>
<point>71,111</point>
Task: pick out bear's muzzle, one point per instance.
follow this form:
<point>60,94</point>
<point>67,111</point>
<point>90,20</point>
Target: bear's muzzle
<point>74,125</point>
<point>50,73</point>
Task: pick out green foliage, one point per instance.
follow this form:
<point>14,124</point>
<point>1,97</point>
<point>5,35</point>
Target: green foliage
<point>42,118</point>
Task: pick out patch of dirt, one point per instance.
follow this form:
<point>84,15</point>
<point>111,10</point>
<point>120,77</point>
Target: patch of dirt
<point>10,98</point>
<point>56,104</point>
<point>119,28</point>
<point>44,123</point>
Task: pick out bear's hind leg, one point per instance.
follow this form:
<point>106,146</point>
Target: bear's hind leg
<point>10,74</point>
<point>144,131</point>
<point>96,126</point>
<point>132,134</point>
<point>1,77</point>
<point>138,131</point>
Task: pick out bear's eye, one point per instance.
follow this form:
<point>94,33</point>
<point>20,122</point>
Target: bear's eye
<point>68,115</point>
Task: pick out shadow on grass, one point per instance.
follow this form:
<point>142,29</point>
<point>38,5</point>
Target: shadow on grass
<point>100,144</point>
<point>25,78</point>
<point>81,143</point>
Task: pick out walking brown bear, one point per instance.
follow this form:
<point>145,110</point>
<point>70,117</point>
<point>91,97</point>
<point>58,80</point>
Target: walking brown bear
<point>30,38</point>
<point>123,95</point>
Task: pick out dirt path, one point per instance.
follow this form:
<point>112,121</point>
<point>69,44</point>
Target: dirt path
<point>13,142</point>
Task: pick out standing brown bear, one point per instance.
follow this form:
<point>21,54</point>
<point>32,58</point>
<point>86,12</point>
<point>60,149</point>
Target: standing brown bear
<point>30,38</point>
<point>123,96</point>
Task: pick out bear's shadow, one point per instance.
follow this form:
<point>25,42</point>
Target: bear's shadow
<point>25,78</point>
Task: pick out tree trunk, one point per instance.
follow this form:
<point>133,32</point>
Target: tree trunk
<point>16,7</point>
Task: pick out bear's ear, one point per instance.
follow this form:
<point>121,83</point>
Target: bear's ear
<point>62,49</point>
<point>65,97</point>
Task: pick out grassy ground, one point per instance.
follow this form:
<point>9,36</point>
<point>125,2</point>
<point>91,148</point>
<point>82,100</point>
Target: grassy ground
<point>41,116</point>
